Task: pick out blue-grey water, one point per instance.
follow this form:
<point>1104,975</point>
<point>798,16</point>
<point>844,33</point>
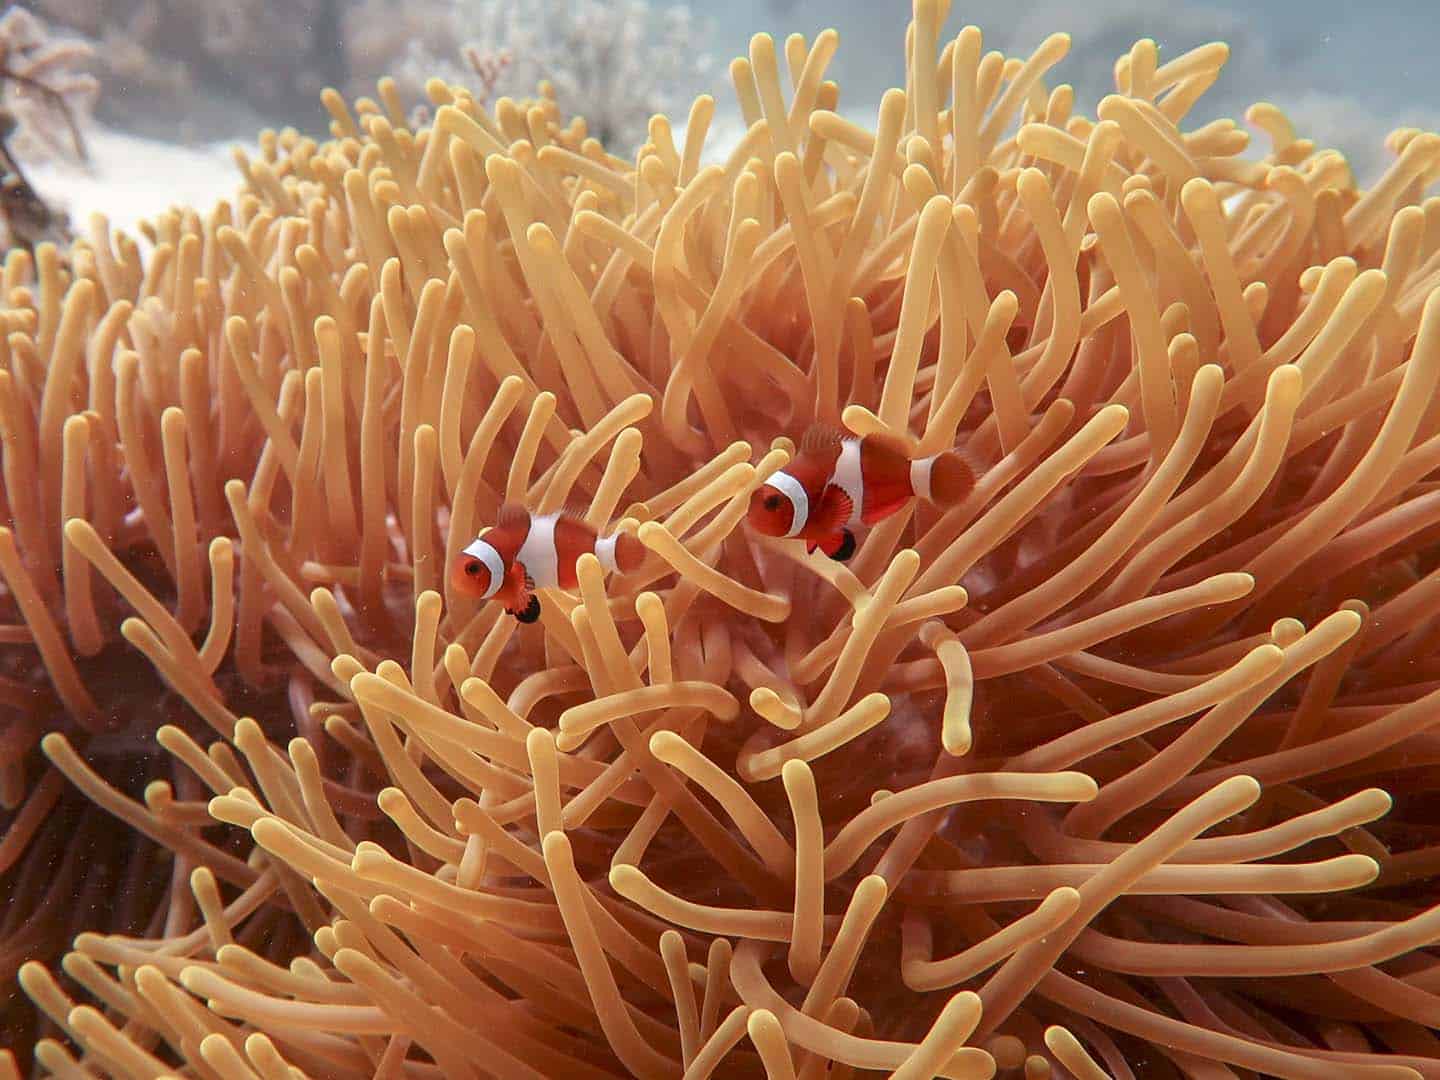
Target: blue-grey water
<point>1346,73</point>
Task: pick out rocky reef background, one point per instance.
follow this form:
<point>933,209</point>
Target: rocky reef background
<point>202,70</point>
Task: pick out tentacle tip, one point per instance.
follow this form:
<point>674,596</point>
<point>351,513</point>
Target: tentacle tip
<point>624,877</point>
<point>1240,785</point>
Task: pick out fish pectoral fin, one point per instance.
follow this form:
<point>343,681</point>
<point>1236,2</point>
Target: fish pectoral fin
<point>530,612</point>
<point>840,546</point>
<point>520,591</point>
<point>835,510</point>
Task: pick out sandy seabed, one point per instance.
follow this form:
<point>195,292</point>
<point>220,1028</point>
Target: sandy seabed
<point>130,178</point>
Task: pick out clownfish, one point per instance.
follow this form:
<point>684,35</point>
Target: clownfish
<point>524,552</point>
<point>836,482</point>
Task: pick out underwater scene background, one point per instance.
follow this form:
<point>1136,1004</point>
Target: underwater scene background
<point>958,492</point>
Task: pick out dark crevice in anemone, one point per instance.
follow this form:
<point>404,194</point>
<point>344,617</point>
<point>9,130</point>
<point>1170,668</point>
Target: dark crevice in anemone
<point>83,870</point>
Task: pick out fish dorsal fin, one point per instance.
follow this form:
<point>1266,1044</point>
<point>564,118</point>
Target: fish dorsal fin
<point>820,439</point>
<point>512,514</point>
<point>575,510</point>
<point>819,448</point>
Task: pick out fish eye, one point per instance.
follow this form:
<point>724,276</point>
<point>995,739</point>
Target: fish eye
<point>472,568</point>
<point>772,502</point>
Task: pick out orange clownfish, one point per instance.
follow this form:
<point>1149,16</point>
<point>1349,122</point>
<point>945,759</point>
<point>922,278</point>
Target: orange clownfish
<point>836,482</point>
<point>525,552</point>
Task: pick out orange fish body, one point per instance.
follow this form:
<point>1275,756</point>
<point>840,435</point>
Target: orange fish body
<point>835,483</point>
<point>524,552</point>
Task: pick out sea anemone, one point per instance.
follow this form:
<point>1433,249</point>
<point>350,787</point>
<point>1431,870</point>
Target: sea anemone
<point>1117,768</point>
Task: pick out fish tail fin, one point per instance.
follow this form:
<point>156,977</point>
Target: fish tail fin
<point>944,479</point>
<point>622,552</point>
<point>629,552</point>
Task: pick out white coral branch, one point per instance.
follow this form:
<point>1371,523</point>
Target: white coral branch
<point>615,62</point>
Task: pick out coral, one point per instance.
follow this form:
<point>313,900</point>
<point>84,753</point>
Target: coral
<point>231,63</point>
<point>1120,767</point>
<point>45,88</point>
<point>617,63</point>
<point>43,103</point>
<point>152,53</point>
